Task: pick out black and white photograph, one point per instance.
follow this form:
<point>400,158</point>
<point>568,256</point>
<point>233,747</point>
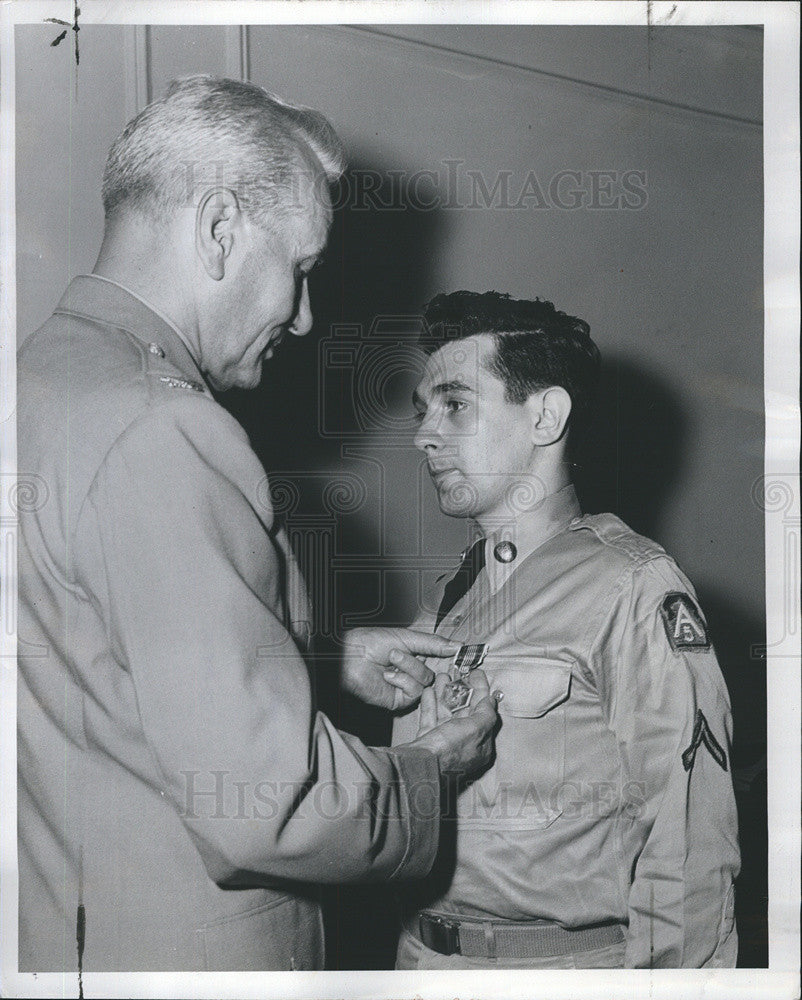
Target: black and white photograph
<point>399,499</point>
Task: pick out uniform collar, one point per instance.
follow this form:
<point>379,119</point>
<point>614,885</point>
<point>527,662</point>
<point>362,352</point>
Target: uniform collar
<point>529,531</point>
<point>110,303</point>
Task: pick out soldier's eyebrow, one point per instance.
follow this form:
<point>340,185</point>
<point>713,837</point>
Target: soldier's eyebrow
<point>441,389</point>
<point>444,388</point>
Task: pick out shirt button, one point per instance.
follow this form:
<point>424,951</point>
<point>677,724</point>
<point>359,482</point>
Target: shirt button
<point>457,620</point>
<point>155,349</point>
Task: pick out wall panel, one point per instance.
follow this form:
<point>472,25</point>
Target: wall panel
<point>673,289</point>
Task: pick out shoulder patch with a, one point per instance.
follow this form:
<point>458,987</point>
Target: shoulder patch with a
<point>683,623</point>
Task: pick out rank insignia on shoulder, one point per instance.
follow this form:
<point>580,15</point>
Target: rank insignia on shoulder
<point>703,735</point>
<point>180,383</point>
<point>469,657</point>
<point>683,622</point>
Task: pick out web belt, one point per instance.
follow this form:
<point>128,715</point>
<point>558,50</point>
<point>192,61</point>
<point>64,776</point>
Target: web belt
<point>476,938</point>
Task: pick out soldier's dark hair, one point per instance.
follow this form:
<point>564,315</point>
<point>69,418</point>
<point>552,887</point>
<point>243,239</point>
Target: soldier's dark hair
<point>536,345</point>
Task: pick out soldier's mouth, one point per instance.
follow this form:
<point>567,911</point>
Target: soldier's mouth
<point>439,475</point>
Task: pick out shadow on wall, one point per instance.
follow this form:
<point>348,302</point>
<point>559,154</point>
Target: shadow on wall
<point>378,265</point>
<point>630,460</point>
<point>739,641</point>
<point>632,452</point>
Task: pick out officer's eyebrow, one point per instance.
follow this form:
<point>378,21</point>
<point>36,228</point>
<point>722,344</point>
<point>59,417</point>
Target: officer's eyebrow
<point>314,259</point>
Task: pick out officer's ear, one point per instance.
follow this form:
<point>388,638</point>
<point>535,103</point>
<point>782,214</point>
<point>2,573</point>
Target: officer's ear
<point>549,410</point>
<point>217,219</point>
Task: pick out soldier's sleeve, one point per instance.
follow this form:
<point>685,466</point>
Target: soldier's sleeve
<point>174,549</point>
<point>667,703</point>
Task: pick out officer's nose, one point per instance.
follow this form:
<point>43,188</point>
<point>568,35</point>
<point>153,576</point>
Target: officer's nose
<point>302,323</point>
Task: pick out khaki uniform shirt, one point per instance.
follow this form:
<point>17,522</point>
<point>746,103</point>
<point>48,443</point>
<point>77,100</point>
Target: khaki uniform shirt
<point>610,798</point>
<point>177,787</point>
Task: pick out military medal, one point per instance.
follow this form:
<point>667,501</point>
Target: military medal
<point>457,693</point>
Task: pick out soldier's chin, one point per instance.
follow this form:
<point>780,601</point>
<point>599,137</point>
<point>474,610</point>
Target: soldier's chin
<point>458,501</point>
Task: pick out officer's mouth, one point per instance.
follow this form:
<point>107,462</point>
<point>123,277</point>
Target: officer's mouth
<point>272,344</point>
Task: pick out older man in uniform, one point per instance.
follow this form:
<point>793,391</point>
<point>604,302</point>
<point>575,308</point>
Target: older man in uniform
<point>605,832</point>
<point>178,792</point>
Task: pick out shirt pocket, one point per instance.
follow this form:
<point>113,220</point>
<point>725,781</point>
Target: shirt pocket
<point>524,787</point>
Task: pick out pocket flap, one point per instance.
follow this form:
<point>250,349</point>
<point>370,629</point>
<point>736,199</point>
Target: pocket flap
<point>533,687</point>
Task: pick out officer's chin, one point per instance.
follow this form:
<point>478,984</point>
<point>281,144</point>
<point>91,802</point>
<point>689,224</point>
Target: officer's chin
<point>236,380</point>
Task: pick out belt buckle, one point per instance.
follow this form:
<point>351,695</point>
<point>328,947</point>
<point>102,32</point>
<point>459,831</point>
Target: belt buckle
<point>439,934</point>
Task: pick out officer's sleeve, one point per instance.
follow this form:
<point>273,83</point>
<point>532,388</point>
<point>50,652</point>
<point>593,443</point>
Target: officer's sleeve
<point>667,704</point>
<point>175,551</point>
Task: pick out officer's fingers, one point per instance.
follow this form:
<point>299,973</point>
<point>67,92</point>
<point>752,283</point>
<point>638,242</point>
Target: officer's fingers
<point>478,681</point>
<point>398,697</point>
<point>401,700</point>
<point>426,643</point>
<point>411,665</point>
<point>484,714</point>
<point>440,682</point>
<point>428,711</point>
<point>402,681</point>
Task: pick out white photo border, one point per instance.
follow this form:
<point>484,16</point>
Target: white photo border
<point>781,24</point>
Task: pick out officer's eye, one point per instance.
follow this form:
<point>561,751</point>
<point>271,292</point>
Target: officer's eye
<point>302,272</point>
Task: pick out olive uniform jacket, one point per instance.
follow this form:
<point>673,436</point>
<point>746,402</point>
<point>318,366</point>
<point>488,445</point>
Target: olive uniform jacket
<point>178,791</point>
<point>610,799</point>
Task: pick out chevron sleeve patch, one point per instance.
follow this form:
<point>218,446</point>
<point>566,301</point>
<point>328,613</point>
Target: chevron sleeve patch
<point>703,736</point>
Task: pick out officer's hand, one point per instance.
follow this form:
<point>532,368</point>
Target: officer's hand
<point>381,665</point>
<point>462,742</point>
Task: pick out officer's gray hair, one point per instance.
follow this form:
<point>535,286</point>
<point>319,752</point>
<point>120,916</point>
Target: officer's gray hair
<point>209,131</point>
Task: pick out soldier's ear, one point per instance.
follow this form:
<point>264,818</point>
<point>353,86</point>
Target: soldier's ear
<point>549,410</point>
<point>216,220</point>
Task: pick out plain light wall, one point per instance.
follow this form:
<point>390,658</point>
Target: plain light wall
<point>672,289</point>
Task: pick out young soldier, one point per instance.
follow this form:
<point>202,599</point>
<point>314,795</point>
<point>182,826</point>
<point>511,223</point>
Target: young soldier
<point>605,833</point>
